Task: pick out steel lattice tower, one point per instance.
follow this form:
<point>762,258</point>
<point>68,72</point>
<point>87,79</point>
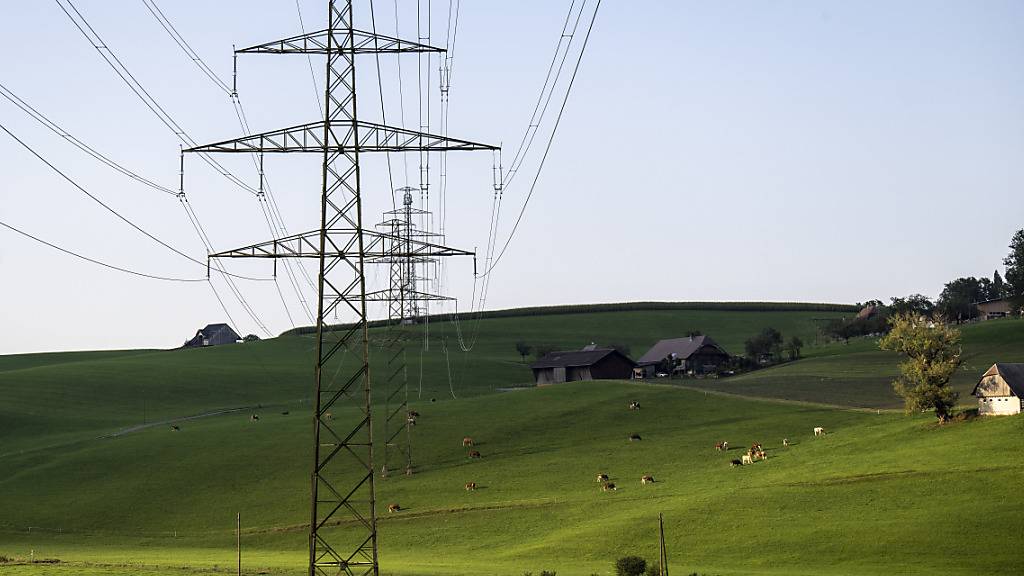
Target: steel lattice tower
<point>343,521</point>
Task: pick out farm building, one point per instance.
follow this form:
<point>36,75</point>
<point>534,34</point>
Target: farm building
<point>695,354</point>
<point>591,363</point>
<point>991,309</point>
<point>213,335</point>
<point>1001,390</point>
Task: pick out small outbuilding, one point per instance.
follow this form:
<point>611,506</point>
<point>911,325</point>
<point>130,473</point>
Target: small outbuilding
<point>1001,390</point>
<point>213,335</point>
<point>693,354</point>
<point>591,363</point>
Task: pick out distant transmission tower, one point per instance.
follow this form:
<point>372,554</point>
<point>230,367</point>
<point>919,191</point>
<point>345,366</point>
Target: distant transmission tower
<point>343,521</point>
<point>406,300</point>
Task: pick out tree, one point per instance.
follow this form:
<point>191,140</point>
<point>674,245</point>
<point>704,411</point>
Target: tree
<point>793,347</point>
<point>767,343</point>
<point>998,287</point>
<point>932,349</point>
<point>913,304</point>
<point>621,348</point>
<point>251,338</point>
<point>668,364</point>
<point>630,566</point>
<point>1014,262</point>
<point>542,350</point>
<point>523,349</point>
<point>959,296</point>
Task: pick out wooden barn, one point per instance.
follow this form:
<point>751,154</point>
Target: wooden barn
<point>992,309</point>
<point>695,354</point>
<point>213,335</point>
<point>1001,390</point>
<point>590,363</point>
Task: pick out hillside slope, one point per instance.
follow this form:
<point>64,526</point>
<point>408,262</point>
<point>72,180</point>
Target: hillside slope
<point>866,499</point>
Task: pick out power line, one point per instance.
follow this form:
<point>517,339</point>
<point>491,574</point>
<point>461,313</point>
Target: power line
<point>551,139</point>
<point>139,90</point>
<point>97,262</point>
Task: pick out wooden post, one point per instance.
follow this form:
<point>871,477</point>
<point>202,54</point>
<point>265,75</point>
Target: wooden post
<point>238,541</point>
<point>663,556</point>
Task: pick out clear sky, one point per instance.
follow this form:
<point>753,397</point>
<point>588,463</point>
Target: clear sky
<point>757,150</point>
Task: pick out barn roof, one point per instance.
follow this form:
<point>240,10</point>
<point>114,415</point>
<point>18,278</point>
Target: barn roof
<point>682,347</point>
<point>1013,375</point>
<point>575,358</point>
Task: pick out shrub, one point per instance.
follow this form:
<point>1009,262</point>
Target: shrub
<point>653,570</point>
<point>630,566</point>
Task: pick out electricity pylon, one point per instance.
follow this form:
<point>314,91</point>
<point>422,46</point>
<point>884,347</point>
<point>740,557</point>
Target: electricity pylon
<point>343,520</point>
<point>404,308</point>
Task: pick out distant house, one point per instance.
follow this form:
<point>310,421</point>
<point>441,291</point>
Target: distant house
<point>591,363</point>
<point>1000,390</point>
<point>694,354</point>
<point>213,335</point>
<point>991,309</point>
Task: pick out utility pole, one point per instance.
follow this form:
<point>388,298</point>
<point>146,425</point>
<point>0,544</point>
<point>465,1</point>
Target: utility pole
<point>663,554</point>
<point>343,519</point>
<point>238,541</point>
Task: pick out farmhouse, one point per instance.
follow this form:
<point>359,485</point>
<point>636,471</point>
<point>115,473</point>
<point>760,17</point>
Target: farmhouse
<point>991,309</point>
<point>591,363</point>
<point>694,354</point>
<point>1001,390</point>
<point>213,335</point>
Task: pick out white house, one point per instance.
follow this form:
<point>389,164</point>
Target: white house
<point>1001,390</point>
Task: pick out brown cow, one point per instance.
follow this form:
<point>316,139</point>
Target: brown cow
<point>608,487</point>
<point>394,507</point>
<point>602,477</point>
<point>470,485</point>
<point>467,441</point>
<point>647,479</point>
<point>722,446</point>
<point>474,454</point>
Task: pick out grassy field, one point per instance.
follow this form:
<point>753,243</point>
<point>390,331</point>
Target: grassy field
<point>859,374</point>
<point>883,493</point>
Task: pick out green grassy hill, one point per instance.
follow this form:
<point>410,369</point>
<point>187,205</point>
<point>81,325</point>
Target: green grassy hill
<point>881,494</point>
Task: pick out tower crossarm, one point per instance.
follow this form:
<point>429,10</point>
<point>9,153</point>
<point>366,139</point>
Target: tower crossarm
<point>414,295</point>
<point>341,137</point>
<point>319,43</point>
<point>343,243</point>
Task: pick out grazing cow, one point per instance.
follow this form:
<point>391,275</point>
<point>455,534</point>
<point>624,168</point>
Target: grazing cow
<point>719,446</point>
<point>735,463</point>
<point>785,442</point>
<point>474,454</point>
<point>633,437</point>
<point>608,487</point>
<point>174,428</point>
<point>755,447</point>
<point>748,459</point>
<point>467,441</point>
<point>634,405</point>
<point>819,431</point>
<point>394,507</point>
<point>254,418</point>
<point>647,479</point>
<point>470,485</point>
<point>602,477</point>
<point>413,414</point>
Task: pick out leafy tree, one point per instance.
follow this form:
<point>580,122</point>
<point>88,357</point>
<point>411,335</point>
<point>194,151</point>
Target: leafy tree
<point>251,338</point>
<point>767,343</point>
<point>523,349</point>
<point>932,348</point>
<point>542,350</point>
<point>913,304</point>
<point>958,297</point>
<point>998,287</point>
<point>630,566</point>
<point>653,570</point>
<point>621,348</point>
<point>668,364</point>
<point>1014,262</point>
<point>793,347</point>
